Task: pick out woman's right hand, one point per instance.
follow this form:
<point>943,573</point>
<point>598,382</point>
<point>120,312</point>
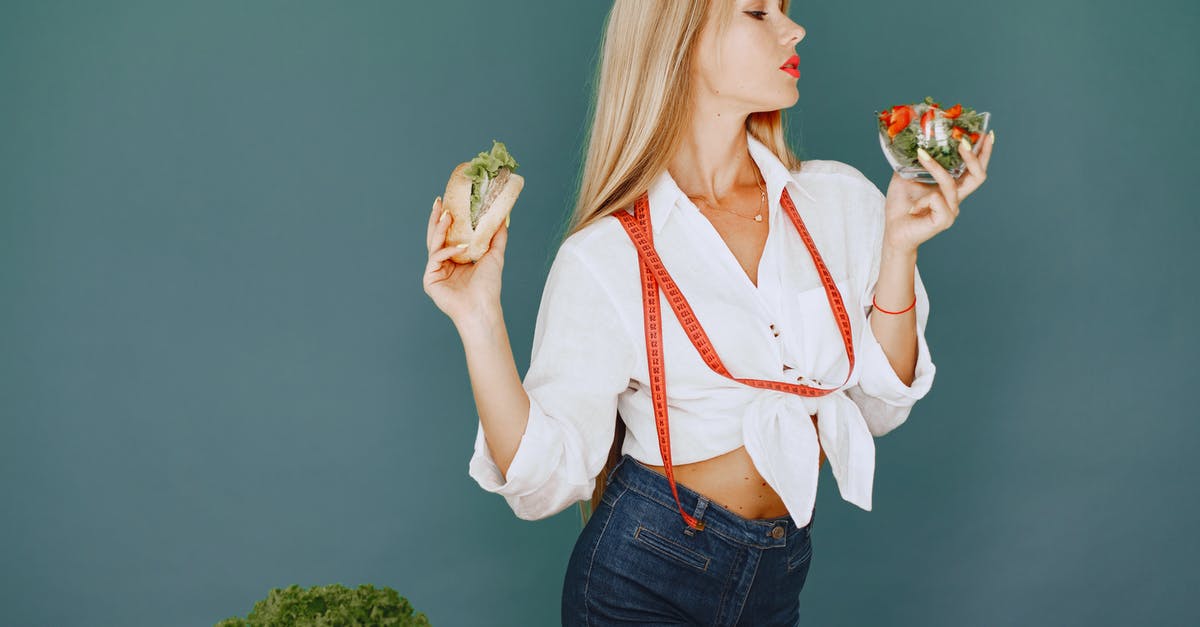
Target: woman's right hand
<point>461,290</point>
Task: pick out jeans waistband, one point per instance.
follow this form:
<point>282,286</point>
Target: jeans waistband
<point>631,474</point>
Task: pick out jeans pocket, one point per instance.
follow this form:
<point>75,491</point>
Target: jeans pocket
<point>799,551</point>
<point>653,541</point>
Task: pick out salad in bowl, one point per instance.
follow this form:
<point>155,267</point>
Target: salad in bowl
<point>905,127</point>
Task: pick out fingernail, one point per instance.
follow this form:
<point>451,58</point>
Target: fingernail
<point>992,134</point>
<point>461,246</point>
<point>445,213</point>
<point>921,154</point>
<point>966,142</point>
<point>507,219</point>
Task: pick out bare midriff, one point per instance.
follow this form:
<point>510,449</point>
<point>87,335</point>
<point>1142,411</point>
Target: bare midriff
<point>731,481</point>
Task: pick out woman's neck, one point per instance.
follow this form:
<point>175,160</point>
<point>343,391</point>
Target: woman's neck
<point>713,161</point>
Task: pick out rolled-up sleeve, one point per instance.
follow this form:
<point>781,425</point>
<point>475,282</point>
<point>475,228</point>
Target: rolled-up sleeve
<point>884,399</point>
<point>582,359</point>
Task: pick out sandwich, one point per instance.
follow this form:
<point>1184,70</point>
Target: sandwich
<point>480,195</point>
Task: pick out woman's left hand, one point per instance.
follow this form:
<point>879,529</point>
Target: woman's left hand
<point>914,212</point>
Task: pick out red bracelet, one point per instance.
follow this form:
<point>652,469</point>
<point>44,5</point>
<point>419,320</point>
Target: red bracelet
<point>876,305</point>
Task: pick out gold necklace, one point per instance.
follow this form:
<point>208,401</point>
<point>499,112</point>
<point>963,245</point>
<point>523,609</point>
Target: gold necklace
<point>762,201</point>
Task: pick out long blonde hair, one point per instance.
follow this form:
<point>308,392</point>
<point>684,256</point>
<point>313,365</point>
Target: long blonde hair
<point>640,110</point>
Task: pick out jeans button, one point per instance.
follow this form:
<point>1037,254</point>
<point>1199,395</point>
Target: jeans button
<point>777,532</point>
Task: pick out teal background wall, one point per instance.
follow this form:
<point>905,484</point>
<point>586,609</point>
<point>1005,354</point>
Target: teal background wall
<point>219,373</point>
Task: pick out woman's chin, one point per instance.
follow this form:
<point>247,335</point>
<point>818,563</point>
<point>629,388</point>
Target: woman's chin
<point>790,99</point>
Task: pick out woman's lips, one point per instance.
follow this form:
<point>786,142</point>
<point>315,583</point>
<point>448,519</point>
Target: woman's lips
<point>791,66</point>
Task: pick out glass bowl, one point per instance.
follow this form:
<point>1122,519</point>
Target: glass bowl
<point>902,128</point>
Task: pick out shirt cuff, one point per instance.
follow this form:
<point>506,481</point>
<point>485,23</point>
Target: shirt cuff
<point>879,379</point>
<point>538,454</point>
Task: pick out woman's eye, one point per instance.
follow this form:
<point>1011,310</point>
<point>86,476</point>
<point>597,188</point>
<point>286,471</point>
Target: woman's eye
<point>759,15</point>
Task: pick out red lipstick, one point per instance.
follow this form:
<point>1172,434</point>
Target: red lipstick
<point>791,66</point>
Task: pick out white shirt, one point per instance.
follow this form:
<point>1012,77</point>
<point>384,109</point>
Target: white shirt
<point>589,349</point>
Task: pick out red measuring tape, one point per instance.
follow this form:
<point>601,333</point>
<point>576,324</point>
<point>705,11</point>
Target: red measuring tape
<point>655,276</point>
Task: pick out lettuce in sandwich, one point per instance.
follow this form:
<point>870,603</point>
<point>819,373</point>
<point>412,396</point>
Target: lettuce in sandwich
<point>482,170</point>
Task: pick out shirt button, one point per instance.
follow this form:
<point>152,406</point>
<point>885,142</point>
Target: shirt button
<point>777,532</point>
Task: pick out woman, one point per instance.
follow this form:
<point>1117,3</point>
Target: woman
<point>688,126</point>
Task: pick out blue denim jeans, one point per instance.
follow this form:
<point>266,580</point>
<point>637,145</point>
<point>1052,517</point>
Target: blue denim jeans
<point>638,563</point>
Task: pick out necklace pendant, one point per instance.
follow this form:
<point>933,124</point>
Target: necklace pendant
<point>758,218</point>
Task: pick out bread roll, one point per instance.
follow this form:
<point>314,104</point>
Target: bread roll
<point>495,208</point>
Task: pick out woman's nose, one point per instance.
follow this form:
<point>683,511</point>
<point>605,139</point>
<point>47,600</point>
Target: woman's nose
<point>795,34</point>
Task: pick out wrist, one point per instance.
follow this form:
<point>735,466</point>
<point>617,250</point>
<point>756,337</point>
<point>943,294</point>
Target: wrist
<point>895,252</point>
<point>480,322</point>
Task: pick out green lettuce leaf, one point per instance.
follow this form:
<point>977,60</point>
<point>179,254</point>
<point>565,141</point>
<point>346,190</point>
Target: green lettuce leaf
<point>482,169</point>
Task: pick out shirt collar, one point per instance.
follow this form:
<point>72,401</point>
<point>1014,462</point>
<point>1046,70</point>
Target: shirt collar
<point>664,194</point>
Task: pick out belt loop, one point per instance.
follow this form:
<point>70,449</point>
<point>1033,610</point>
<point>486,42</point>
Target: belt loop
<point>698,514</point>
<point>612,471</point>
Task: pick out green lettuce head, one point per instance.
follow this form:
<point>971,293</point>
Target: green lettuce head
<point>482,169</point>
